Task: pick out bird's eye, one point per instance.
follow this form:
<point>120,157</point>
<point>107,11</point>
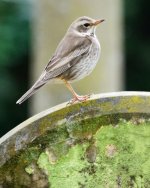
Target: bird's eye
<point>86,25</point>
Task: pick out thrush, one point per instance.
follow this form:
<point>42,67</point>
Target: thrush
<point>75,58</point>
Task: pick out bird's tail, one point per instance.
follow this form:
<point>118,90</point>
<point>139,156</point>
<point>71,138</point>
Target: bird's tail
<point>30,92</point>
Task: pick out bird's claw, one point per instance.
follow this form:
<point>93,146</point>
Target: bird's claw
<point>79,98</point>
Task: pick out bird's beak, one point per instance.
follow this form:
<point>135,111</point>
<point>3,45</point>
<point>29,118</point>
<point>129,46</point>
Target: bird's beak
<point>98,22</point>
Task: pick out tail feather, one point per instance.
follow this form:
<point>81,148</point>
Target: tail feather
<point>28,94</point>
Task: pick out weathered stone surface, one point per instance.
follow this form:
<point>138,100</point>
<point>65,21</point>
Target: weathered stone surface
<point>103,142</point>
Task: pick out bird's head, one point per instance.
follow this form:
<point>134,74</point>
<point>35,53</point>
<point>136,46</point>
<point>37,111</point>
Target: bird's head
<point>85,25</point>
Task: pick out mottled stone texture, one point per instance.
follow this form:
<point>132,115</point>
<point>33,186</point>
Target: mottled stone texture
<point>103,142</point>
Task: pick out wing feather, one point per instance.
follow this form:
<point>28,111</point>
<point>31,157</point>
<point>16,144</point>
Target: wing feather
<point>68,50</point>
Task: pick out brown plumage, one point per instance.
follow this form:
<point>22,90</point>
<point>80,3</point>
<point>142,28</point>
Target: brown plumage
<point>74,58</point>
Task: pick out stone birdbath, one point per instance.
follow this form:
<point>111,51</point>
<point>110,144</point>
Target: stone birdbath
<point>101,143</point>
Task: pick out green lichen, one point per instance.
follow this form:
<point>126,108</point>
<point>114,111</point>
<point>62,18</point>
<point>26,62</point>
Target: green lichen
<point>129,166</point>
<point>63,173</point>
<point>99,152</point>
<point>30,169</point>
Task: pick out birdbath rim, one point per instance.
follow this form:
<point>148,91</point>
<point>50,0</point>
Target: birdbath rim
<point>63,105</point>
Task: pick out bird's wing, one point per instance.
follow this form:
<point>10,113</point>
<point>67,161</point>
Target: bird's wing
<point>70,48</point>
<point>68,52</point>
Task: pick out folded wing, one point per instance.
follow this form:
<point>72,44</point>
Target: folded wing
<point>68,50</point>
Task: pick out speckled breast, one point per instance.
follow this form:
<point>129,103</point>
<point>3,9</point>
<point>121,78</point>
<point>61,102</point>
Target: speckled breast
<point>84,64</point>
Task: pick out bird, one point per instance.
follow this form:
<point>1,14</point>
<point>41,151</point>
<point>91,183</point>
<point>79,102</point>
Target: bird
<point>75,58</point>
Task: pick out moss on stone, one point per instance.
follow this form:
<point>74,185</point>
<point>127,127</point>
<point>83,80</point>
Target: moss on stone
<point>105,151</point>
<point>127,166</point>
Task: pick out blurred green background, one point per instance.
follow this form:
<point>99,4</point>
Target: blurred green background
<point>14,60</point>
<point>15,49</point>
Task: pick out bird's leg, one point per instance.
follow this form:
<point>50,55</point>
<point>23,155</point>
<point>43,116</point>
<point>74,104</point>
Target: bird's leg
<point>77,98</point>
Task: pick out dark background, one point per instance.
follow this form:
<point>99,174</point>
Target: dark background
<point>15,55</point>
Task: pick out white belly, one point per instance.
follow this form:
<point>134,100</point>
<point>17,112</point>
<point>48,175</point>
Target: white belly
<point>86,67</point>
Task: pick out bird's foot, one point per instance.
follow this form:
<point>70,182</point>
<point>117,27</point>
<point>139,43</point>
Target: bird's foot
<point>79,98</point>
